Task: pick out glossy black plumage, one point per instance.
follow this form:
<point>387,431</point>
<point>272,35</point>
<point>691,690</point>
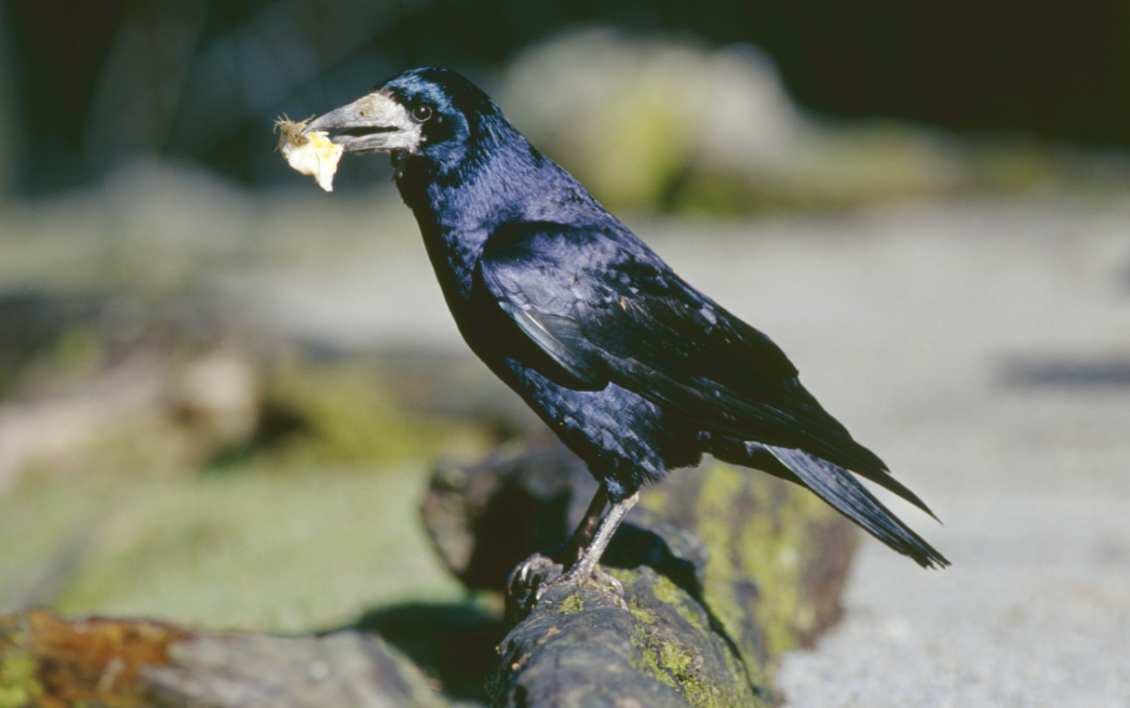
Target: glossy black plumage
<point>635,370</point>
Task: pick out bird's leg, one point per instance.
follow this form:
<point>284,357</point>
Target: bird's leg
<point>568,552</point>
<point>587,543</point>
<point>581,537</point>
<point>585,568</point>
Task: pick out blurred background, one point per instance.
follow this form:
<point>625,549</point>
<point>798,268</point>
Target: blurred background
<point>222,390</point>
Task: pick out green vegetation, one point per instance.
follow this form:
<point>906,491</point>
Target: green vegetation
<point>571,605</point>
<point>661,651</point>
<point>290,529</point>
<point>263,550</point>
<point>18,683</point>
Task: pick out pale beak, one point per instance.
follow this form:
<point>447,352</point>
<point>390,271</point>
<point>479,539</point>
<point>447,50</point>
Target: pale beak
<point>373,122</point>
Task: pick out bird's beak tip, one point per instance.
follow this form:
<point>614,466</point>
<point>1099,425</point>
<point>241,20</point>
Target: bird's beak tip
<point>327,121</point>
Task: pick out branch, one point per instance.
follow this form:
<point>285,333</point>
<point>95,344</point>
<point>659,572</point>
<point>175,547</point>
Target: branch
<point>723,569</point>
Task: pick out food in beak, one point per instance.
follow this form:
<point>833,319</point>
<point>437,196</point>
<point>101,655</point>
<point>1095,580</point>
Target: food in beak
<point>311,154</point>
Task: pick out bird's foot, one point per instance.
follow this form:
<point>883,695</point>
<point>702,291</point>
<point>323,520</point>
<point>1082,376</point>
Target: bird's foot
<point>540,572</point>
<point>598,578</point>
<point>533,577</point>
<point>531,574</point>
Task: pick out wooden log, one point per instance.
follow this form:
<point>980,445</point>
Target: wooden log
<point>723,569</point>
<point>50,662</point>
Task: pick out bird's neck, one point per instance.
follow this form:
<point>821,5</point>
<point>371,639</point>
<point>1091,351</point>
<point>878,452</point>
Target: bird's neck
<point>459,207</point>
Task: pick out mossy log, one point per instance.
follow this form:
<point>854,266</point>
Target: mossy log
<point>50,662</point>
<point>722,568</point>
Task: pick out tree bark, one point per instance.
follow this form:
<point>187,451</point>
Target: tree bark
<point>722,568</point>
<point>52,662</point>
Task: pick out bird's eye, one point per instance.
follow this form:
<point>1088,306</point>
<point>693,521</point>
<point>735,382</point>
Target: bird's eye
<point>422,113</point>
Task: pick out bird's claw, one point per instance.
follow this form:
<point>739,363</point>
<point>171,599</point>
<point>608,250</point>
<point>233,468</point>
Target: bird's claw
<point>599,578</point>
<point>523,574</point>
<point>533,577</point>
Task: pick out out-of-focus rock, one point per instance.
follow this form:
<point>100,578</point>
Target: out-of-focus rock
<point>148,406</point>
<point>220,394</point>
<point>651,122</point>
<point>629,115</point>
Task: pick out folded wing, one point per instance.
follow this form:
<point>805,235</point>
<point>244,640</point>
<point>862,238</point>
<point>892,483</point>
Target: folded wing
<point>610,313</point>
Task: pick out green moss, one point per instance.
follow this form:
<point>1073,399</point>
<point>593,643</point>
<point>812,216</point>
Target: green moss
<point>250,550</point>
<point>673,666</point>
<point>648,656</point>
<point>642,614</point>
<point>699,693</point>
<point>671,657</point>
<point>662,655</point>
<point>714,511</point>
<point>668,593</point>
<point>626,576</point>
<point>768,547</point>
<point>771,551</point>
<point>571,605</point>
<point>344,413</point>
<point>19,682</point>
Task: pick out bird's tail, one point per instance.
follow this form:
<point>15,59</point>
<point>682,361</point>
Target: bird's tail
<point>840,488</point>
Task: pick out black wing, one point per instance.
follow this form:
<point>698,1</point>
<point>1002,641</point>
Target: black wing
<point>607,309</point>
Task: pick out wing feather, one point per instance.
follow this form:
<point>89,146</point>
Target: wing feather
<point>607,313</point>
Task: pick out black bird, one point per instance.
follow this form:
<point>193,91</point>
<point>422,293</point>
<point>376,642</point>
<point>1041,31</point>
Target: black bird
<point>633,368</point>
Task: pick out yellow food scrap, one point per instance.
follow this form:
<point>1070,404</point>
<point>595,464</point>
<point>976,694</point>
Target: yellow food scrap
<point>310,154</point>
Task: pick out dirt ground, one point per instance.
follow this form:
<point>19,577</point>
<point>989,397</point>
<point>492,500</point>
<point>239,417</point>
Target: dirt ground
<point>983,350</point>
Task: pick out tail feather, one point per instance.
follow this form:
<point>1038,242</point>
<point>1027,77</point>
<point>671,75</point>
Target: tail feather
<point>883,478</point>
<point>839,488</point>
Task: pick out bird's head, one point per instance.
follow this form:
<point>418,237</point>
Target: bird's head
<point>431,113</point>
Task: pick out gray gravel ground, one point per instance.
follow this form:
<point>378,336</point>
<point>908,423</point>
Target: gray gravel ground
<point>1032,477</point>
<point>983,351</point>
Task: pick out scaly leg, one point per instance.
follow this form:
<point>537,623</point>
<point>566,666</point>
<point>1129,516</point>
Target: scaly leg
<point>581,537</point>
<point>567,552</point>
<point>586,545</point>
<point>585,568</point>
